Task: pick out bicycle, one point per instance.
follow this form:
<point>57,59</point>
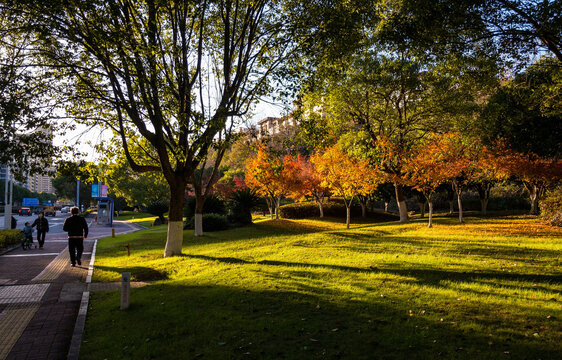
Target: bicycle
<point>27,242</point>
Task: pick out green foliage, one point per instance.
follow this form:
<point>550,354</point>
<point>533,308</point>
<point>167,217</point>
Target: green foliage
<point>551,206</point>
<point>527,111</point>
<point>211,222</point>
<point>158,208</point>
<point>9,237</point>
<point>332,208</point>
<point>241,204</point>
<point>213,204</point>
<point>137,189</point>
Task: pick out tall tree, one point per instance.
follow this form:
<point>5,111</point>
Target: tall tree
<point>173,73</point>
<point>26,104</point>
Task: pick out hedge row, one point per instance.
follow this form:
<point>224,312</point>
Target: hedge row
<point>331,209</point>
<point>551,207</point>
<point>10,237</point>
<point>211,222</point>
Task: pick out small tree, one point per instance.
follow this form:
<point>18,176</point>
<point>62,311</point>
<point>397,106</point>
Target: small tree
<point>264,174</point>
<point>158,208</point>
<point>345,176</point>
<point>308,183</point>
<point>428,168</point>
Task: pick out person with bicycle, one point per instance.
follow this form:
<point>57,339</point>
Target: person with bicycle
<point>27,236</point>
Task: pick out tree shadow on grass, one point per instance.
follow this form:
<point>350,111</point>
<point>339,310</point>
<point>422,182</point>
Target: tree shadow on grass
<point>172,321</point>
<point>138,273</point>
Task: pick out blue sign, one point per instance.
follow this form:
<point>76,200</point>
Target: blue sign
<point>30,202</point>
<point>95,192</point>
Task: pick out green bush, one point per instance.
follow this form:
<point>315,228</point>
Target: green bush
<point>10,237</point>
<point>158,208</point>
<point>211,222</point>
<point>310,209</point>
<point>551,207</point>
<point>213,205</point>
<point>241,204</point>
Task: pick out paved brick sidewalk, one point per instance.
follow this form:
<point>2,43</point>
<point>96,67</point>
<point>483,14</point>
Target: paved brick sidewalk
<point>40,296</point>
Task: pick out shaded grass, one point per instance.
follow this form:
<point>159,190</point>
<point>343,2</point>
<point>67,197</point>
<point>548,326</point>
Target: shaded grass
<point>311,289</point>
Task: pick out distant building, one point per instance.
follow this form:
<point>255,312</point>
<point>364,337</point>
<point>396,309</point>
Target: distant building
<point>275,125</point>
<point>40,183</point>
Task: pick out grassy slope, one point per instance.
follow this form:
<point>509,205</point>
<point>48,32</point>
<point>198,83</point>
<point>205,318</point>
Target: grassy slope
<point>490,288</point>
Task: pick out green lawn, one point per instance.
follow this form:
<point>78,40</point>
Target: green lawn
<point>144,219</point>
<point>310,289</point>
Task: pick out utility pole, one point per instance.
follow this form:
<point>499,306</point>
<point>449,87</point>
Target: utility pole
<point>78,194</point>
<point>8,200</point>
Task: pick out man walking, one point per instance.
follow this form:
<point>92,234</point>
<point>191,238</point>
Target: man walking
<point>42,229</point>
<point>77,231</point>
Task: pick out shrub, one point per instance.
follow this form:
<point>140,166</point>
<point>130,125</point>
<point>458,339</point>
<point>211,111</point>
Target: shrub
<point>10,237</point>
<point>551,207</point>
<point>241,204</point>
<point>310,209</point>
<point>158,208</point>
<point>213,205</point>
<point>211,222</point>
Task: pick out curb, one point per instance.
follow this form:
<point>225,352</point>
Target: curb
<point>74,350</point>
<point>8,249</point>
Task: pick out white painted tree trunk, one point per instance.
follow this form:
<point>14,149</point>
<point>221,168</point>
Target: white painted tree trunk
<point>175,238</point>
<point>430,222</point>
<point>198,224</point>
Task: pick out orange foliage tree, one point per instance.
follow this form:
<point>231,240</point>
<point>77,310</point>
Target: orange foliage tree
<point>427,169</point>
<point>268,176</point>
<point>345,176</point>
<point>537,174</point>
<point>307,181</point>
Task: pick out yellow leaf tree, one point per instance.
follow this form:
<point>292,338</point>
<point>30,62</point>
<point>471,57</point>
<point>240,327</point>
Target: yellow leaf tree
<point>345,176</point>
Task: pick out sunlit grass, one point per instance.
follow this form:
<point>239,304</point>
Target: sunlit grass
<point>489,288</point>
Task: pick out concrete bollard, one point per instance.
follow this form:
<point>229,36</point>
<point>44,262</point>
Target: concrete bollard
<point>125,289</point>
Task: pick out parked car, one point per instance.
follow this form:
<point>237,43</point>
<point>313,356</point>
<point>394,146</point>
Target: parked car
<point>24,211</point>
<point>64,210</point>
<point>50,211</point>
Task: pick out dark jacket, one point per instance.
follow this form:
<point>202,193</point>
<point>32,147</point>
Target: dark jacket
<point>41,223</point>
<point>75,226</point>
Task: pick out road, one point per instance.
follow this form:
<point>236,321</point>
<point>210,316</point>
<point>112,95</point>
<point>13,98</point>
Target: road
<point>55,222</point>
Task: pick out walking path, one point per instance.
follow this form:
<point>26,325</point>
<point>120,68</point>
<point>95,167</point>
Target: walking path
<point>41,297</point>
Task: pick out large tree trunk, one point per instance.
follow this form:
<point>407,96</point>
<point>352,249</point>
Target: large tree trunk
<point>401,201</point>
<point>363,210</point>
<point>199,202</point>
<point>430,222</point>
<point>321,207</point>
<point>174,239</point>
